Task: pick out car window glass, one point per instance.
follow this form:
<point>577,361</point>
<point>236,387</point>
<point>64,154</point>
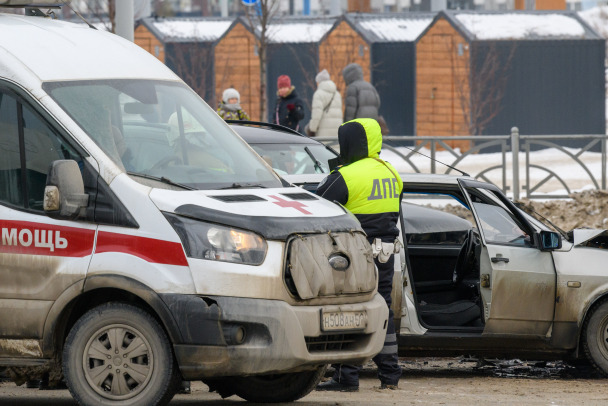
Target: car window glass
<point>10,164</point>
<point>292,159</point>
<point>162,130</point>
<point>435,218</point>
<point>498,225</point>
<point>42,147</point>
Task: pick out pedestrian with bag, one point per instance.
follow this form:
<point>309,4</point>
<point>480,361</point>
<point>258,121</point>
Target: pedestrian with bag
<point>289,109</point>
<point>326,113</point>
<point>361,100</point>
<point>371,189</point>
<point>230,107</point>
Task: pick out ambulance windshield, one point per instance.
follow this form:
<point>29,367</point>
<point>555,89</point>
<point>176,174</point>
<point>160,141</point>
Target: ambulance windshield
<point>159,129</point>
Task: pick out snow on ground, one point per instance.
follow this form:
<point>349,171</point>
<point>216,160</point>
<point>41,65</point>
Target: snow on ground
<point>576,177</point>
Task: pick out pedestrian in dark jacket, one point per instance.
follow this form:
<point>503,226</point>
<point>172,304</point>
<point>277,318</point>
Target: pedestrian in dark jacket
<point>230,107</point>
<point>371,189</point>
<point>289,109</point>
<point>362,99</point>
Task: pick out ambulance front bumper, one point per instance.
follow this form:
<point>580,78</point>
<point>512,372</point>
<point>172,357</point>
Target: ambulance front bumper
<point>257,336</point>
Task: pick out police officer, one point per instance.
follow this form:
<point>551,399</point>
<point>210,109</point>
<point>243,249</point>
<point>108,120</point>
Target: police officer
<point>371,189</point>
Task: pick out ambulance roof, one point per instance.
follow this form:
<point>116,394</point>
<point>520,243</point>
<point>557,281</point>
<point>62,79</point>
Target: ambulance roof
<point>58,50</point>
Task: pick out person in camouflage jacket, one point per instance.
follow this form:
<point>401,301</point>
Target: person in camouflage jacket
<point>230,107</point>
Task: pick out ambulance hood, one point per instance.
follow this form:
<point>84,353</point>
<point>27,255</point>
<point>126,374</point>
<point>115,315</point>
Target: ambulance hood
<point>273,213</point>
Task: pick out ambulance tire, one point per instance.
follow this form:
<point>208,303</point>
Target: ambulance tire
<point>595,338</point>
<point>108,331</point>
<point>277,388</point>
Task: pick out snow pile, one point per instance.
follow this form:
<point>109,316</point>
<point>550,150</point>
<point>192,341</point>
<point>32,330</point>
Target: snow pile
<point>521,26</point>
<point>588,209</point>
<point>584,209</point>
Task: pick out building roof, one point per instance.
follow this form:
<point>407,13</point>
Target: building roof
<point>390,27</point>
<point>520,25</point>
<point>187,29</point>
<point>295,29</point>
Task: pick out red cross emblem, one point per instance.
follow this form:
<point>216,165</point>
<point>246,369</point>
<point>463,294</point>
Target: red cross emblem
<point>290,203</point>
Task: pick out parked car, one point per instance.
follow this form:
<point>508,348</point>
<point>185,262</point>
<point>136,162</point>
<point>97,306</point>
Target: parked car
<point>144,243</point>
<point>494,280</point>
<point>517,286</point>
<point>299,159</point>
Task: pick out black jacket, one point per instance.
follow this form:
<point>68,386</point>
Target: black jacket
<point>289,110</point>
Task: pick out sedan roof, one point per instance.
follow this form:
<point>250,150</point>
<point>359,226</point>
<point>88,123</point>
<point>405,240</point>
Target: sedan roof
<point>270,135</point>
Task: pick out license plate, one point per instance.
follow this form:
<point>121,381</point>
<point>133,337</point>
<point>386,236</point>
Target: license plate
<point>348,320</point>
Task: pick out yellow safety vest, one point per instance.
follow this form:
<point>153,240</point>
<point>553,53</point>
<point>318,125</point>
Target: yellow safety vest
<point>372,187</point>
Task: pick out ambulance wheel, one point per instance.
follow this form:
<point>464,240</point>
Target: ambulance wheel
<point>278,387</point>
<point>595,338</point>
<point>118,354</point>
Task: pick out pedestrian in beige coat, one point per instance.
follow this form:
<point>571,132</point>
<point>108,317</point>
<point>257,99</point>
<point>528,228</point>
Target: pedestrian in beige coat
<point>326,114</point>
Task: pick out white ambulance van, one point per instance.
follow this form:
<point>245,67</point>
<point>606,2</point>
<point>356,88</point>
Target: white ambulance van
<point>144,243</point>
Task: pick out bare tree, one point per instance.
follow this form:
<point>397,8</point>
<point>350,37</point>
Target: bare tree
<point>481,91</point>
<point>103,11</point>
<point>260,17</point>
<point>193,62</point>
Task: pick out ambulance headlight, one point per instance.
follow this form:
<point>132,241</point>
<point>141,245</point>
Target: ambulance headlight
<point>218,243</point>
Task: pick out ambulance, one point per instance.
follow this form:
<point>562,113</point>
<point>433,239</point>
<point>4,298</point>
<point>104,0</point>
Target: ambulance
<point>144,243</point>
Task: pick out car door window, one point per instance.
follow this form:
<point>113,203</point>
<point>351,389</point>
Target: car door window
<point>28,146</point>
<point>498,225</point>
<point>42,147</point>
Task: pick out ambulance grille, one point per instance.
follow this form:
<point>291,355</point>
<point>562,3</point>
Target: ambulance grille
<point>300,196</point>
<point>239,198</point>
<point>333,342</point>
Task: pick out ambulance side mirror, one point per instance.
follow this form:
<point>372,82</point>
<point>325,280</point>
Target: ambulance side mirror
<point>64,196</point>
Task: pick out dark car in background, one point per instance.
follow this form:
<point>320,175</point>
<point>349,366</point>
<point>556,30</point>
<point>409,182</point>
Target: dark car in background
<point>299,159</point>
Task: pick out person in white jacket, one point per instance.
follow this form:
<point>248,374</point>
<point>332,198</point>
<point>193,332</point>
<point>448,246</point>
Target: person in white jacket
<point>326,114</point>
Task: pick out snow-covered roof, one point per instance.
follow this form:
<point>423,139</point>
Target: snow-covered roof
<point>299,32</point>
<point>391,27</point>
<point>522,25</point>
<point>597,18</point>
<point>187,29</point>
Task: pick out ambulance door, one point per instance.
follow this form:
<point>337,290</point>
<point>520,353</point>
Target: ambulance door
<point>39,257</point>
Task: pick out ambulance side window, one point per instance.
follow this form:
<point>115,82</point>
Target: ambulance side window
<point>30,146</point>
<point>10,163</point>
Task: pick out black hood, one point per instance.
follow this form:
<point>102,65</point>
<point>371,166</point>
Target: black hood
<point>358,139</point>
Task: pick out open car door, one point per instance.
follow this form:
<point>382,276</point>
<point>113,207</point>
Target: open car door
<point>518,280</point>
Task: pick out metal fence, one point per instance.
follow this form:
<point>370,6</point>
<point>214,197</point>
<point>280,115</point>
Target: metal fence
<point>511,147</point>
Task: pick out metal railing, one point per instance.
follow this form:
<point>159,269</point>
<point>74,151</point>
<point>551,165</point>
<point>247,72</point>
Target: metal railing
<point>510,147</point>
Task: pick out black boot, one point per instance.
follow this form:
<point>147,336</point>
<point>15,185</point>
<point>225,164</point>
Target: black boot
<point>336,386</point>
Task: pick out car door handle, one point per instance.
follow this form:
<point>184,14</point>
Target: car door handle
<point>500,259</point>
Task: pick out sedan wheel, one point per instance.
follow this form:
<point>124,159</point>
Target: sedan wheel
<point>595,338</point>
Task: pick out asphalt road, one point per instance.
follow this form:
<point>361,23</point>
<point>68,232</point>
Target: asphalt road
<point>425,382</point>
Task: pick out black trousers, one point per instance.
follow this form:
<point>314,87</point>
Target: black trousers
<point>387,360</point>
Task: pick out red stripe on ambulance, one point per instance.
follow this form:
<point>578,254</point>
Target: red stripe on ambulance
<point>24,237</point>
<point>148,249</point>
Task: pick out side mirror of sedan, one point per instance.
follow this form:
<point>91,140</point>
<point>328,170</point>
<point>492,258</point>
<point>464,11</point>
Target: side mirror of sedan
<point>549,240</point>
